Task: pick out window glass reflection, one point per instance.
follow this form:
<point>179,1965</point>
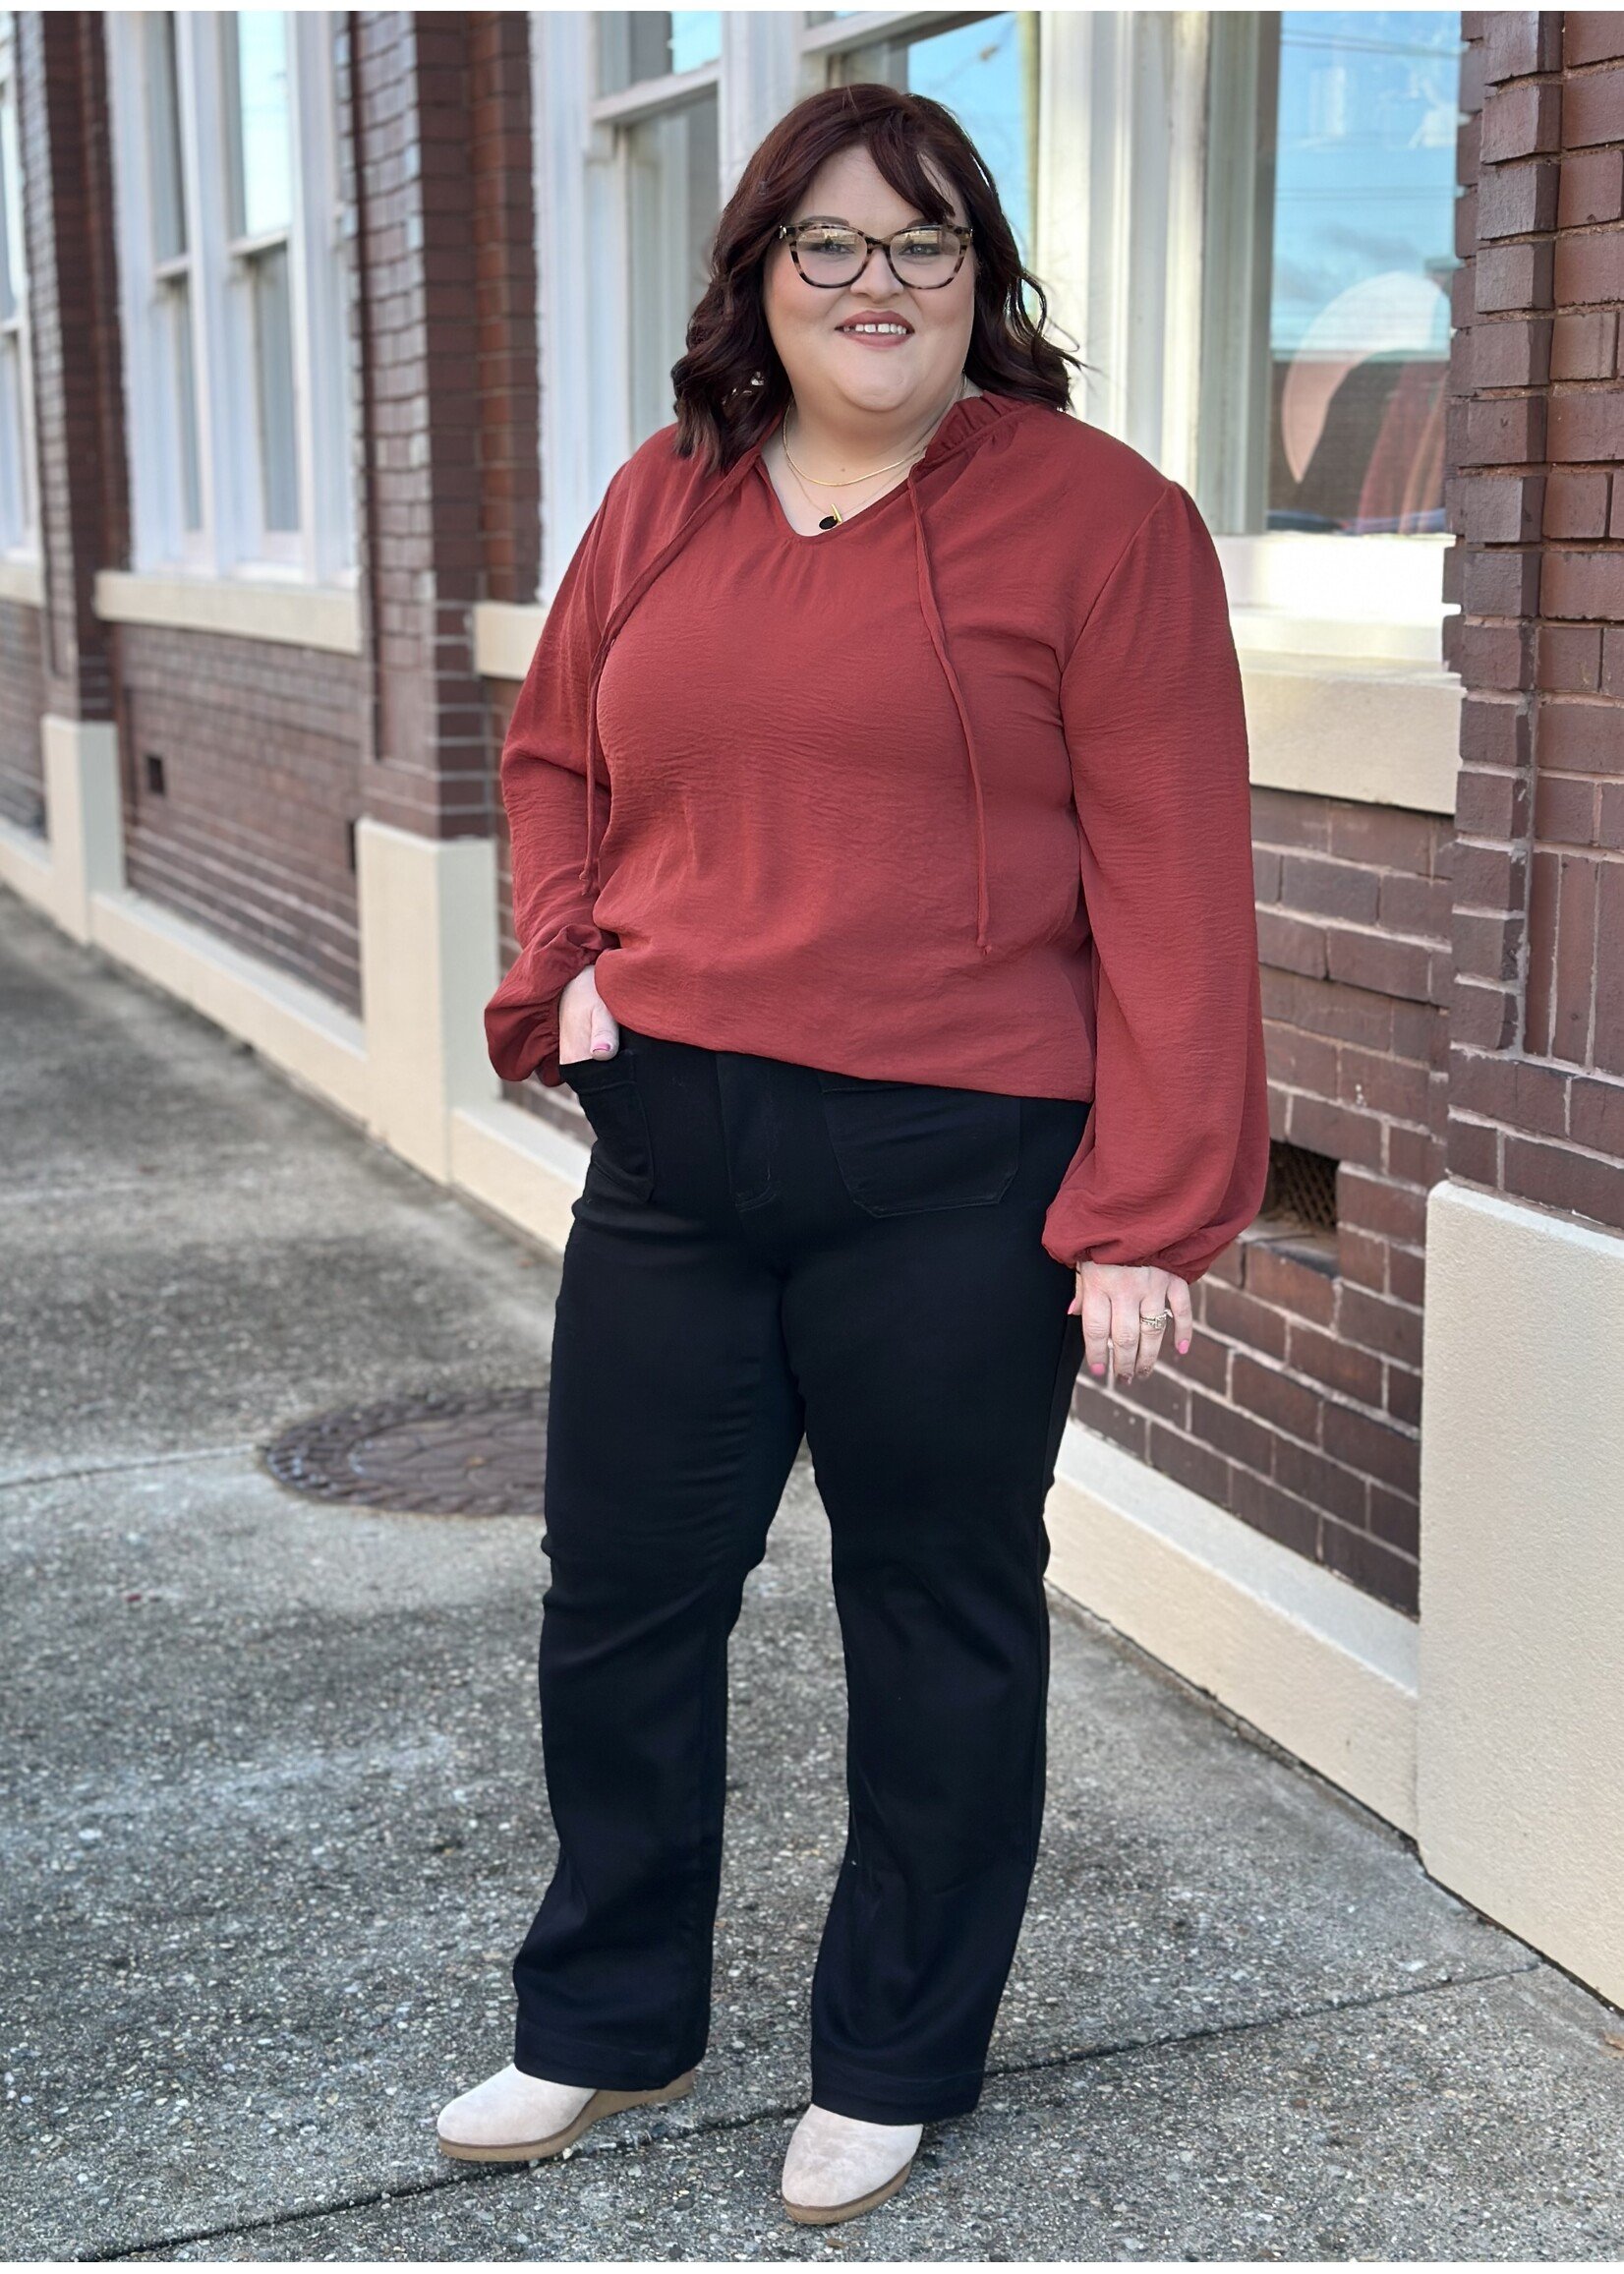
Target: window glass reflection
<point>1358,304</point>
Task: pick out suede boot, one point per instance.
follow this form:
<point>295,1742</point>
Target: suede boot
<point>512,2117</point>
<point>838,2167</point>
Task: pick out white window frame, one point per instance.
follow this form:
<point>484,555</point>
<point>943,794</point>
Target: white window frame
<point>232,543</point>
<point>18,547</point>
<point>1377,596</point>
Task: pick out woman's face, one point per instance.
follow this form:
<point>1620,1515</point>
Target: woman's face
<point>831,368</point>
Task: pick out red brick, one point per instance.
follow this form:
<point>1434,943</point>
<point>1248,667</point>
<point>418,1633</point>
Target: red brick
<point>1518,42</point>
<point>1288,1405</point>
<point>1391,1455</point>
<point>1585,427</point>
<point>1587,585</point>
<point>1592,35</point>
<point>1592,108</point>
<point>1575,505</point>
<point>1242,1319</point>
<point>1474,1152</point>
<point>1297,1287</point>
<point>1595,1115</point>
<point>1395,1519</point>
<point>1334,1360</point>
<point>1592,188</point>
<point>1333,1130</point>
<point>1574,1184</point>
<point>1517,276</point>
<point>1514,201</point>
<point>1583,346</point>
<point>1609,973</point>
<point>1564,809</point>
<point>1520,120</point>
<point>1380,1207</point>
<point>1504,430</point>
<point>1587,266</point>
<point>1570,663</point>
<point>1575,966</point>
<point>1581,737</point>
<point>1501,508</point>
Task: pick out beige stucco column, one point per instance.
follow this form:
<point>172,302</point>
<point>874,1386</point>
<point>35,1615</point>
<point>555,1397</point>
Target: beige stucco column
<point>1521,1735</point>
<point>428,963</point>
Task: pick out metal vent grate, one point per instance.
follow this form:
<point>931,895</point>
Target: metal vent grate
<point>1303,1184</point>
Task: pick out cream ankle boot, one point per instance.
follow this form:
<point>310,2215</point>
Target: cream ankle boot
<point>838,2167</point>
<point>512,2117</point>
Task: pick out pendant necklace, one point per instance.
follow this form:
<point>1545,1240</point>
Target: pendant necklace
<point>835,517</point>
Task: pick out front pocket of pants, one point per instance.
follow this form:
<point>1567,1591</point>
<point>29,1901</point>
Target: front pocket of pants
<point>902,1147</point>
<point>623,1155</point>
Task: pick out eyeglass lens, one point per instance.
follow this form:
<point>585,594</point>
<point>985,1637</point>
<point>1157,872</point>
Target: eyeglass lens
<point>919,256</point>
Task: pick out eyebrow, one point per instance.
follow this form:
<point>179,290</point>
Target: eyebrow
<point>919,221</point>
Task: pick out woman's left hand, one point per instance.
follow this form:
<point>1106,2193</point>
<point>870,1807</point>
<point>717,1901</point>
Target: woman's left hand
<point>1112,1298</point>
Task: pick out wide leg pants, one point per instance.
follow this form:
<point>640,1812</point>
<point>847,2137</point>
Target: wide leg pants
<point>762,1250</point>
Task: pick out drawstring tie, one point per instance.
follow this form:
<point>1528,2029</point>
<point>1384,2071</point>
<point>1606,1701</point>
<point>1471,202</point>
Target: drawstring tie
<point>933,624</point>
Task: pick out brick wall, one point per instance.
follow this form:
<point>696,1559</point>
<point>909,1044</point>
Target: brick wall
<point>408,83</point>
<point>259,746</point>
<point>1537,1072</point>
<point>73,309</point>
<point>505,278</point>
<point>1298,1405</point>
<point>21,700</point>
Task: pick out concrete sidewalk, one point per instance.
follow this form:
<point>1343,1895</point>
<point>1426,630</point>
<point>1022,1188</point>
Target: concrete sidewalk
<point>276,1817</point>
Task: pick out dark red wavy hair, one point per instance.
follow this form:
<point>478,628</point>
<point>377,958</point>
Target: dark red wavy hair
<point>720,407</point>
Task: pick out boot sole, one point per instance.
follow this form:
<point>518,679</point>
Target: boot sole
<point>832,2214</point>
<point>601,2104</point>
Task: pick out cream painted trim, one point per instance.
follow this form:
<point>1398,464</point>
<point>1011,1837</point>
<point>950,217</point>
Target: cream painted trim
<point>24,581</point>
<point>1339,641</point>
<point>504,637</point>
<point>1327,1672</point>
<point>522,1169</point>
<point>237,607</point>
<point>1378,733</point>
<point>300,1032</point>
<point>429,962</point>
<point>1522,1722</point>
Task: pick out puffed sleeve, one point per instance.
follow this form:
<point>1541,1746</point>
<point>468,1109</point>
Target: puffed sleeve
<point>1175,1153</point>
<point>543,794</point>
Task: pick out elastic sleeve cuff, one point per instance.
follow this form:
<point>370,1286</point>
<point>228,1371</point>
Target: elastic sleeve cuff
<point>521,1018</point>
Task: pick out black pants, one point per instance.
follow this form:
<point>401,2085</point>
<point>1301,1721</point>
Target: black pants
<point>761,1251</point>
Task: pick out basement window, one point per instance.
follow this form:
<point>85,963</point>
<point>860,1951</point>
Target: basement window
<point>1298,1211</point>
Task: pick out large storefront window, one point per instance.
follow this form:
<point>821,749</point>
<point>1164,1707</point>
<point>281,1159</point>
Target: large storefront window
<point>1328,318</point>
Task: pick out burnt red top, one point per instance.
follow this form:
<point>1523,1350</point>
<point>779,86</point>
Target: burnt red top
<point>956,792</point>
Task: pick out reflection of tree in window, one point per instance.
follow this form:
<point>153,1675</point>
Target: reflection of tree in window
<point>1364,227</point>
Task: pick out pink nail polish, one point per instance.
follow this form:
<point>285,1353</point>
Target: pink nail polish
<point>1096,1369</point>
<point>1183,1347</point>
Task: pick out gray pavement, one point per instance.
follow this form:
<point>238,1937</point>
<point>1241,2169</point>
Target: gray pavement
<point>274,1816</point>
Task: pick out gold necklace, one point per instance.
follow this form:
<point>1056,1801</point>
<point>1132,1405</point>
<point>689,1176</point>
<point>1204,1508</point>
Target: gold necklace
<point>833,517</point>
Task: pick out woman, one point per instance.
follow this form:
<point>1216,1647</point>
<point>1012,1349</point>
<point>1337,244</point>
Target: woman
<point>882,861</point>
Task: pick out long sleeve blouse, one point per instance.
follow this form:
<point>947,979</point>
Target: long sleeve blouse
<point>955,792</point>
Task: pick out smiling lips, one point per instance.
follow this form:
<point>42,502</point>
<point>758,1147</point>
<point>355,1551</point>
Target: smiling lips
<point>875,331</point>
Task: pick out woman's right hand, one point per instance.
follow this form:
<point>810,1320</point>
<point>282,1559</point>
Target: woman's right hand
<point>587,1025</point>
